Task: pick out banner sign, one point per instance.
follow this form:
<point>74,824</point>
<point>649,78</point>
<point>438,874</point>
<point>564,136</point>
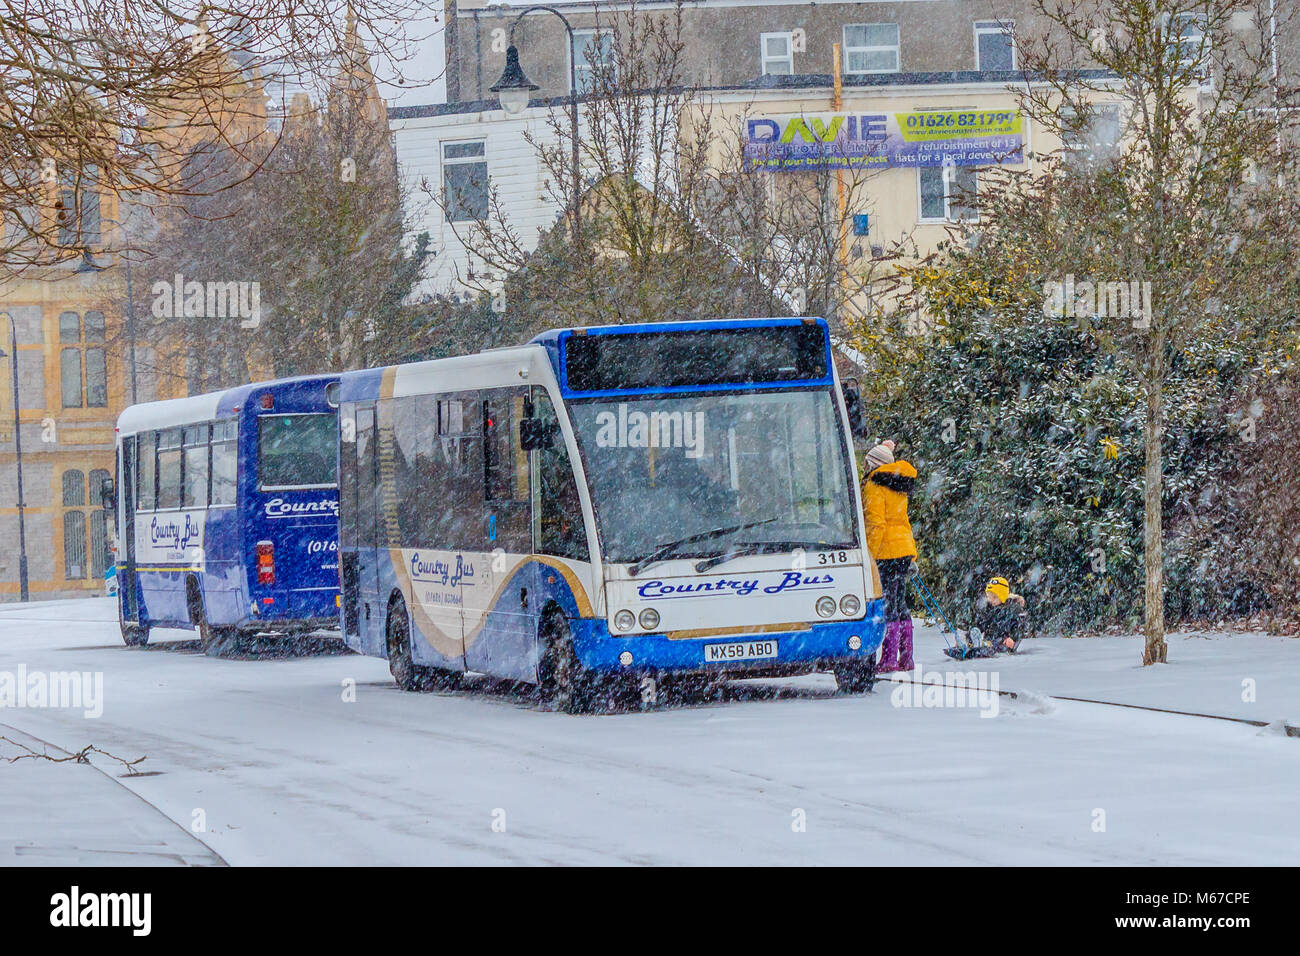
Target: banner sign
<point>803,141</point>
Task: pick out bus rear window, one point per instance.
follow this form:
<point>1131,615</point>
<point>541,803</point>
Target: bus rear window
<point>297,451</point>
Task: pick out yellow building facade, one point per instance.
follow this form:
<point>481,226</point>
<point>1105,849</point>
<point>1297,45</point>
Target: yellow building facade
<point>67,311</point>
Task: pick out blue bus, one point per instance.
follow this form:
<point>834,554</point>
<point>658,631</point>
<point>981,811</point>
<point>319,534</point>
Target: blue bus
<point>227,511</point>
<point>605,506</point>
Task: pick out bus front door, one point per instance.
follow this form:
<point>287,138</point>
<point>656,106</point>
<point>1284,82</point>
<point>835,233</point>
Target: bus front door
<point>500,601</point>
<point>370,610</point>
<point>126,584</point>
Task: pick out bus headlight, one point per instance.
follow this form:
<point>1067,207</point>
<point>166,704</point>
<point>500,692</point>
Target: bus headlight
<point>855,643</point>
<point>624,620</point>
<point>649,619</point>
<point>850,605</point>
<point>826,605</point>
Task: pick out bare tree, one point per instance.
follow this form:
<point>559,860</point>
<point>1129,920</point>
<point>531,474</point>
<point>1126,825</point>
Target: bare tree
<point>318,229</point>
<point>102,98</point>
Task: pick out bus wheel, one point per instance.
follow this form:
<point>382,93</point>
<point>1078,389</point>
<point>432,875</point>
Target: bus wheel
<point>406,673</point>
<point>855,678</point>
<point>562,681</point>
<point>216,641</point>
<point>213,641</point>
<point>135,635</point>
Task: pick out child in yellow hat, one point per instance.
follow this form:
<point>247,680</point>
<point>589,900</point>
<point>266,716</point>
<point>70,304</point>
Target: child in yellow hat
<point>1001,616</point>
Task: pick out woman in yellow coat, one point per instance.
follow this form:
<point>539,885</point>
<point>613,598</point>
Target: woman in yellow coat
<point>885,492</point>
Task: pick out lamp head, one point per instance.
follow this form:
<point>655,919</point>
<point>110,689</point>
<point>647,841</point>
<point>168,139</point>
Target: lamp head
<point>514,88</point>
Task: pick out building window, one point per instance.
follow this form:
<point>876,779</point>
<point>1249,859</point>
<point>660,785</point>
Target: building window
<point>590,50</point>
<point>1093,139</point>
<point>465,192</point>
<point>995,45</point>
<point>78,561</point>
<point>778,53</point>
<point>74,545</point>
<point>21,224</point>
<point>78,209</point>
<point>74,488</point>
<point>101,556</point>
<point>74,525</point>
<point>83,372</point>
<point>871,48</point>
<point>70,375</point>
<point>1188,42</point>
<point>947,193</point>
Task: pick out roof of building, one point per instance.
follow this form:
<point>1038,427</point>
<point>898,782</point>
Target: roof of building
<point>776,83</point>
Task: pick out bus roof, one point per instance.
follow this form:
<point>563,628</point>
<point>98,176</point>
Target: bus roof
<point>551,336</point>
<point>198,408</point>
<point>491,367</point>
<point>497,366</point>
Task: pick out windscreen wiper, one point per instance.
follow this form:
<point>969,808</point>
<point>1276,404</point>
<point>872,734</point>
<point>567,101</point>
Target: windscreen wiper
<point>665,551</point>
<point>741,549</point>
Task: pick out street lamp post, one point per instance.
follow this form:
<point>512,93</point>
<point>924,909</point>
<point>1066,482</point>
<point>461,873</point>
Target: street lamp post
<point>18,454</point>
<point>513,89</point>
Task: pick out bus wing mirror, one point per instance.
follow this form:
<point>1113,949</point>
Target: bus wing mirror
<point>853,405</point>
<point>108,495</point>
<point>536,433</point>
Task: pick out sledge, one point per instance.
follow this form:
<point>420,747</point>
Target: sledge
<point>961,645</point>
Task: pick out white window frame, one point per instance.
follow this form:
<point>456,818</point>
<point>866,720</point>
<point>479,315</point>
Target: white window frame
<point>1175,38</point>
<point>581,40</point>
<point>1087,146</point>
<point>949,175</point>
<point>444,162</point>
<point>765,60</point>
<point>895,48</point>
<point>996,27</point>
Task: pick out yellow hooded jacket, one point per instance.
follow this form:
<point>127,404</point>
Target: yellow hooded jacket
<point>884,506</point>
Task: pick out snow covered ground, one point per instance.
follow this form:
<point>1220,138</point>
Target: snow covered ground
<point>279,765</point>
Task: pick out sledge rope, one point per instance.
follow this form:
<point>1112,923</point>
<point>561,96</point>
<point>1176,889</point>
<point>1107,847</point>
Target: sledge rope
<point>932,606</point>
<point>1013,695</point>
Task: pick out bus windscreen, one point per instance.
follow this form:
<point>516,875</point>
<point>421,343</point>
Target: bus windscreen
<point>646,360</point>
<point>297,451</point>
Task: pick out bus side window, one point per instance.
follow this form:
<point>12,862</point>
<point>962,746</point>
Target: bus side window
<point>557,508</point>
<point>367,533</point>
<point>348,476</point>
<point>195,492</point>
<point>505,475</point>
<point>146,485</point>
<point>225,462</point>
<point>169,468</point>
<point>127,470</point>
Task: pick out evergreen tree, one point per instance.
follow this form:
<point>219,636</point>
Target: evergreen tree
<point>1028,425</point>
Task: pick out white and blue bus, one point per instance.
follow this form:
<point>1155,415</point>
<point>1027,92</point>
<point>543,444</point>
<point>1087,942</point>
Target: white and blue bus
<point>227,511</point>
<point>606,505</point>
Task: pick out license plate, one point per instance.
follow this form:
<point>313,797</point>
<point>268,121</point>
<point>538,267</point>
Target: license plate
<point>740,651</point>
